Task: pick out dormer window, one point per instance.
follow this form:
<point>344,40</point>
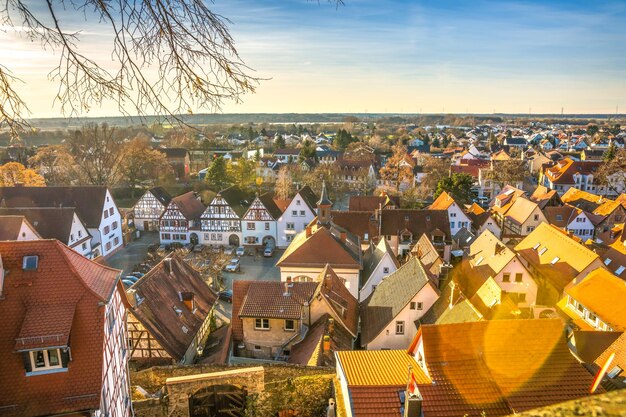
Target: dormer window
<point>188,299</point>
<point>30,263</point>
<point>177,310</point>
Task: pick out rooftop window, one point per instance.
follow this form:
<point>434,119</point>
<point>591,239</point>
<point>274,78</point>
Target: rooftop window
<point>555,260</point>
<point>542,251</point>
<point>29,263</point>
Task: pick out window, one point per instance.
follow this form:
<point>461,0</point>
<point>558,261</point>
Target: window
<point>294,212</point>
<point>262,324</point>
<point>114,225</point>
<point>71,237</point>
<point>385,270</point>
<point>555,260</point>
<point>290,325</point>
<point>536,217</point>
<point>399,327</point>
<point>43,360</point>
<point>29,263</point>
<point>619,270</point>
<point>542,251</point>
<point>451,225</point>
<point>536,246</point>
<point>257,347</point>
<point>506,277</point>
<point>302,213</point>
<point>518,277</point>
<point>250,226</point>
<point>116,241</point>
<point>106,213</point>
<point>413,305</point>
<point>111,211</point>
<point>290,226</point>
<point>614,372</point>
<point>580,220</point>
<point>420,305</point>
<point>80,233</point>
<point>452,214</point>
<point>298,202</point>
<point>106,230</point>
<point>267,226</point>
<point>530,229</point>
<point>108,246</point>
<point>84,246</point>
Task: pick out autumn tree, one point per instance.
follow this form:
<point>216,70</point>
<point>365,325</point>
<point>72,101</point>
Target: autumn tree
<point>612,173</point>
<point>397,169</point>
<point>140,162</point>
<point>343,138</point>
<point>14,173</point>
<point>507,172</point>
<point>242,172</point>
<point>55,163</point>
<point>458,185</point>
<point>284,181</point>
<point>436,169</point>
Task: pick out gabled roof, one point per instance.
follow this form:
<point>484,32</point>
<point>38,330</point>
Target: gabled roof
<point>49,222</point>
<point>564,215</point>
<point>379,367</point>
<point>360,223</point>
<point>323,246</point>
<point>161,194</point>
<point>344,306</point>
<point>583,199</point>
<point>390,297</point>
<point>520,210</point>
<point>477,215</point>
<point>88,200</point>
<point>287,151</point>
<point>543,195</point>
<point>268,202</point>
<point>564,170</point>
<point>309,197</point>
<point>10,226</point>
<point>443,202</point>
<point>451,307</point>
<point>237,199</point>
<point>489,250</point>
<point>605,295</point>
<point>275,299</point>
<point>417,222</point>
<point>189,205</point>
<point>473,371</point>
<point>371,203</point>
<point>425,251</point>
<point>59,299</point>
<point>374,255</point>
<point>162,310</point>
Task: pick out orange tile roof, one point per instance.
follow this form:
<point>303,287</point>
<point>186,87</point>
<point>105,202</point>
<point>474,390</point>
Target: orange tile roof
<point>376,401</point>
<point>604,294</point>
<point>443,202</point>
<point>379,367</point>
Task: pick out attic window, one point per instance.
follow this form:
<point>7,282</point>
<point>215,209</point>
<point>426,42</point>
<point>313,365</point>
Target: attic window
<point>188,299</point>
<point>619,270</point>
<point>479,260</point>
<point>537,245</point>
<point>559,217</point>
<point>29,263</point>
<point>542,251</point>
<point>427,218</point>
<point>607,261</point>
<point>177,310</point>
<point>138,298</point>
<point>555,260</point>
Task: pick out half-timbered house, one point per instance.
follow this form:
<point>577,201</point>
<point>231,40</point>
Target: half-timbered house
<point>180,222</point>
<point>150,207</point>
<point>63,337</point>
<point>171,308</point>
<point>221,221</point>
<point>259,222</point>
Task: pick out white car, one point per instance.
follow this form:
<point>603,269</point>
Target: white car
<point>268,252</point>
<point>233,266</point>
<point>229,250</point>
<point>240,251</point>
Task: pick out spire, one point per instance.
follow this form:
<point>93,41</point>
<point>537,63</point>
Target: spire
<point>324,200</point>
<point>323,207</point>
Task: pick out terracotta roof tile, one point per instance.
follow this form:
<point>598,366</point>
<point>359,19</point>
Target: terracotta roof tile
<point>240,290</point>
<point>443,202</point>
<point>343,303</point>
<point>270,299</point>
<point>49,222</point>
<point>372,203</point>
<point>189,205</point>
<point>378,401</point>
<point>46,326</point>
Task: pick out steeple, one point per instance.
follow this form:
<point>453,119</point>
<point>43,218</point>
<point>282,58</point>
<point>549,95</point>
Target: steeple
<point>323,207</point>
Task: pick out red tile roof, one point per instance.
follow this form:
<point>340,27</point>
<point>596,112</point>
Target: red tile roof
<point>340,300</point>
<point>46,326</point>
<point>376,401</point>
<point>240,290</point>
<point>61,280</point>
<point>271,299</point>
<point>189,205</point>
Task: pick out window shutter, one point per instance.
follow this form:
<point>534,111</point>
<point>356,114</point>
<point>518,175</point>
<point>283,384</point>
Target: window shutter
<point>65,357</point>
<point>27,365</point>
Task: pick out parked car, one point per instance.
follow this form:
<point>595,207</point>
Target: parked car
<point>233,266</point>
<point>226,295</point>
<point>127,283</point>
<point>268,252</point>
<point>229,250</point>
<point>240,251</point>
<point>138,274</point>
<point>131,278</point>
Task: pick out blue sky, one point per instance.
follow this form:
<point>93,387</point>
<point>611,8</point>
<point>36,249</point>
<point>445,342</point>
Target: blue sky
<point>406,56</point>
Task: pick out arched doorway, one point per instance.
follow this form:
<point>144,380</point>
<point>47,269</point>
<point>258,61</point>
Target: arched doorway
<point>218,401</point>
<point>269,241</point>
<point>193,238</point>
<point>233,240</point>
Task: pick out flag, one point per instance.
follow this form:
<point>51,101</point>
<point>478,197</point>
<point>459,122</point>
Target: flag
<point>412,388</point>
<point>601,373</point>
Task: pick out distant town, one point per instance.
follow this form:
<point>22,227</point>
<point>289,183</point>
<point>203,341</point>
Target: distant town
<point>390,266</point>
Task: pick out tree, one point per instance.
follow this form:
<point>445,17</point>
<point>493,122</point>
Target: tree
<point>459,186</point>
<point>280,142</point>
<point>167,57</point>
<point>97,155</point>
<point>140,162</point>
<point>592,130</point>
<point>507,172</point>
<point>610,153</point>
<point>612,174</point>
<point>343,138</point>
<point>216,175</point>
<point>242,172</point>
<point>282,189</point>
<point>436,169</point>
<point>397,170</point>
<point>14,173</point>
<point>55,163</point>
<point>307,151</point>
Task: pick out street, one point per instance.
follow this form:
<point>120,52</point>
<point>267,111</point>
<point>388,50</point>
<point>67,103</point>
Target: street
<point>133,253</point>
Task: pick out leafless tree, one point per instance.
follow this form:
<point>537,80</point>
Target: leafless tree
<point>188,47</point>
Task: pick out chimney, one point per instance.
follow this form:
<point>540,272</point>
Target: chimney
<point>326,345</point>
<point>413,404</point>
<point>168,265</point>
<point>330,411</point>
<point>308,231</point>
<point>289,282</point>
<point>286,293</point>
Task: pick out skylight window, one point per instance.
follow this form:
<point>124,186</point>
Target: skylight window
<point>555,260</point>
<point>619,270</point>
<point>607,261</point>
<point>479,260</point>
<point>537,245</point>
<point>542,251</point>
<point>29,263</point>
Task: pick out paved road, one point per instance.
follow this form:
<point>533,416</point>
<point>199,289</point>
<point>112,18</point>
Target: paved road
<point>260,269</point>
<point>133,253</point>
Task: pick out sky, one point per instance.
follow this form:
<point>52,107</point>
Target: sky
<point>393,56</point>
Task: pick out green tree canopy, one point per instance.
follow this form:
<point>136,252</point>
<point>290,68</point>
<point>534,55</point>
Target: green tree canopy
<point>459,186</point>
<point>216,175</point>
